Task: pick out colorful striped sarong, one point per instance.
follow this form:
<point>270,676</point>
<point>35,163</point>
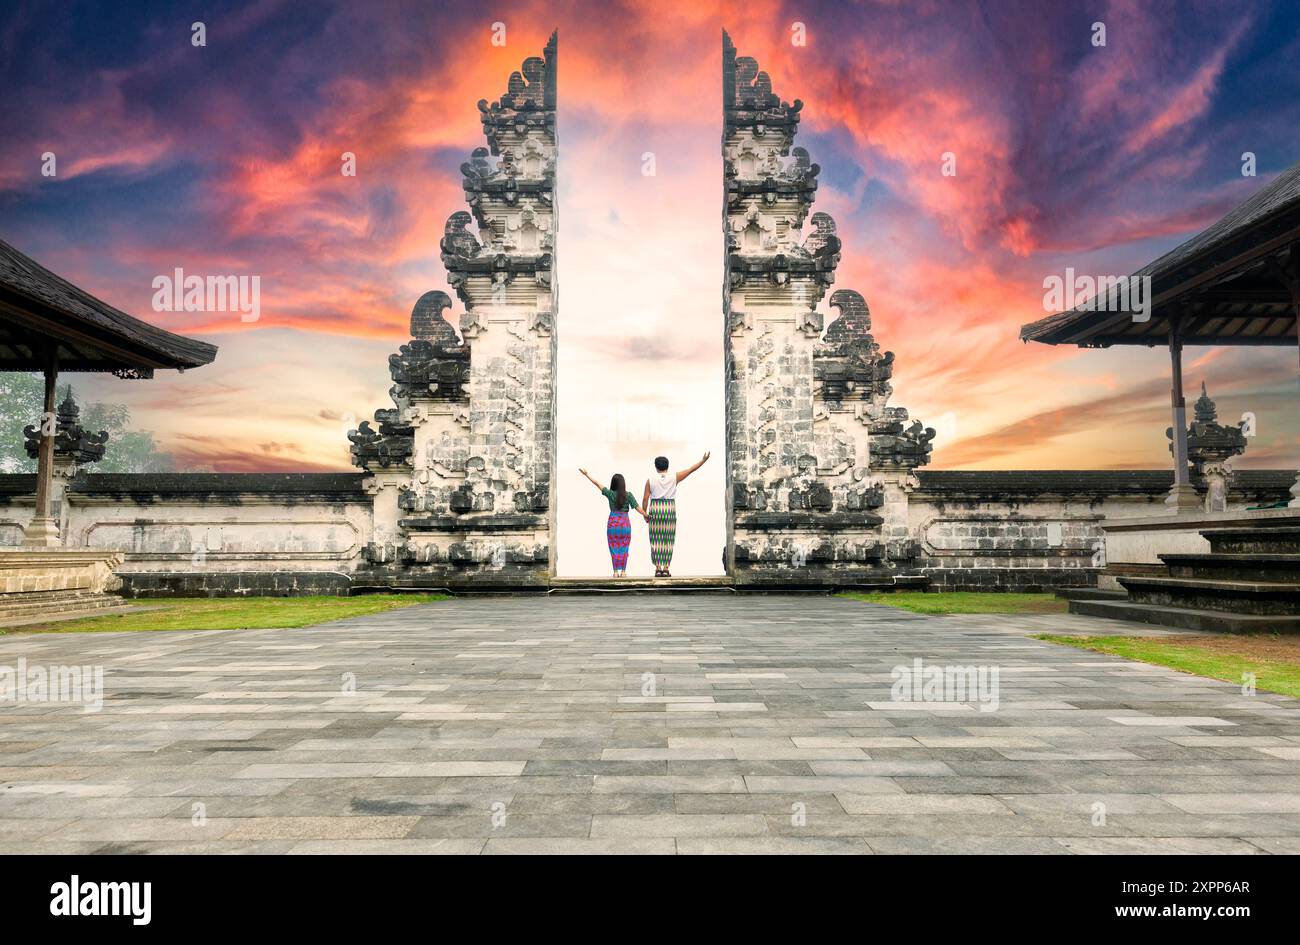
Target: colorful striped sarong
<point>619,534</point>
<point>663,531</point>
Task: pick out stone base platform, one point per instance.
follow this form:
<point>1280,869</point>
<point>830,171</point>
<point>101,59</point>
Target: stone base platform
<point>1202,620</point>
<point>722,584</point>
<point>39,581</point>
<point>824,581</point>
<point>604,585</point>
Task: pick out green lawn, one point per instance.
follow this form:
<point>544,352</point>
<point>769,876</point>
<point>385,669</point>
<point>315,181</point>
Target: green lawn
<point>1183,654</point>
<point>232,613</point>
<point>963,602</point>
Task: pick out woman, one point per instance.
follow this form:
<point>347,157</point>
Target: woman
<point>660,504</point>
<point>618,531</point>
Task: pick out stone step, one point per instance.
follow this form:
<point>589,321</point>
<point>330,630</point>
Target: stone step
<point>610,585</point>
<point>56,616</point>
<point>1244,597</point>
<point>604,585</point>
<point>1265,539</point>
<point>824,579</point>
<point>1090,593</point>
<point>1284,568</point>
<point>474,583</point>
<point>774,583</point>
<point>1185,618</point>
<point>39,605</point>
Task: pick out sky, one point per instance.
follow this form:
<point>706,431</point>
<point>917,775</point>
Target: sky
<point>225,159</point>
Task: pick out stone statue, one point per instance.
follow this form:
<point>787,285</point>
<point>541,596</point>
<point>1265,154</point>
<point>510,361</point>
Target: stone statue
<point>1210,447</point>
<point>73,445</point>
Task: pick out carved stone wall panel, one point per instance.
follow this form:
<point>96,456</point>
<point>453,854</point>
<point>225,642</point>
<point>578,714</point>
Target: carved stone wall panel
<point>224,539</point>
<point>1010,536</point>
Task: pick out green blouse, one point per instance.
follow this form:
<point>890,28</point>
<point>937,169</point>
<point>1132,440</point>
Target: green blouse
<point>613,497</point>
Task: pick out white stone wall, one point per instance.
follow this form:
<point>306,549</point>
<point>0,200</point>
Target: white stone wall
<point>307,533</point>
<point>201,533</point>
<point>1025,531</point>
<point>1016,543</point>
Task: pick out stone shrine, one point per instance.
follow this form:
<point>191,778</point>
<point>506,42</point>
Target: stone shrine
<point>1210,448</point>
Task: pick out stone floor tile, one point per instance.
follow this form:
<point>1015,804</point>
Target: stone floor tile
<point>770,730</point>
<point>564,846</point>
<point>409,847</point>
<point>1173,846</point>
<point>678,825</point>
<point>768,846</point>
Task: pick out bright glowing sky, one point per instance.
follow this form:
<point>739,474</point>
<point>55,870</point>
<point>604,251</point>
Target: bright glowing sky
<point>225,160</point>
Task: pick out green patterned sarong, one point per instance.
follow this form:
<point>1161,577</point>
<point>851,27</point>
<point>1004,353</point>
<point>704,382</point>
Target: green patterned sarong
<point>663,531</point>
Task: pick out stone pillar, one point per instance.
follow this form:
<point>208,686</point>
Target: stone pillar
<point>43,530</point>
<point>897,484</point>
<point>804,402</point>
<point>384,544</point>
<point>473,417</point>
<point>1182,495</point>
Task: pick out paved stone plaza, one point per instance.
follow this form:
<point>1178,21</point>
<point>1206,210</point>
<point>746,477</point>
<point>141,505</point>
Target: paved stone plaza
<point>519,725</point>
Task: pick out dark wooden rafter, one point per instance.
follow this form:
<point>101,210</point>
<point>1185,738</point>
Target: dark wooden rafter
<point>1288,273</point>
<point>37,306</point>
<point>73,337</point>
<point>1228,270</point>
<point>1237,283</point>
<point>49,325</point>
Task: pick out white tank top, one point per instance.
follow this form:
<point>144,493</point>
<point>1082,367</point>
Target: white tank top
<point>663,486</point>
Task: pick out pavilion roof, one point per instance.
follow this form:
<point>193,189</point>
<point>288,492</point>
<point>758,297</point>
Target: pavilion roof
<point>1221,287</point>
<point>38,308</point>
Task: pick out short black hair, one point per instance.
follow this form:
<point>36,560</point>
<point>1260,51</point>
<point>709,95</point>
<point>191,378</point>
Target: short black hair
<point>661,463</point>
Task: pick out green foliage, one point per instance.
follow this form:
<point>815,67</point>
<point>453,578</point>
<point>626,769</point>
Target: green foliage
<point>963,602</point>
<point>127,451</point>
<point>20,405</point>
<point>232,613</point>
<point>1182,654</point>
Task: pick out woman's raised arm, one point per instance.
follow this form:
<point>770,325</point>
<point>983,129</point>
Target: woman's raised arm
<point>592,481</point>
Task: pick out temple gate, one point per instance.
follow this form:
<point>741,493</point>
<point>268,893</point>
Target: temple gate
<point>461,465</point>
<point>818,465</point>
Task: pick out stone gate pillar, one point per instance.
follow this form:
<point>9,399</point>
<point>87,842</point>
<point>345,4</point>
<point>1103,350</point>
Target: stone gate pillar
<point>805,401</point>
<point>468,450</point>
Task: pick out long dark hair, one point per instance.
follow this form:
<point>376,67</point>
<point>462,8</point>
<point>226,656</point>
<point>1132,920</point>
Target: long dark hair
<point>618,486</point>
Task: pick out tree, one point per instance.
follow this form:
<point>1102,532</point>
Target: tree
<point>127,451</point>
<point>20,405</point>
